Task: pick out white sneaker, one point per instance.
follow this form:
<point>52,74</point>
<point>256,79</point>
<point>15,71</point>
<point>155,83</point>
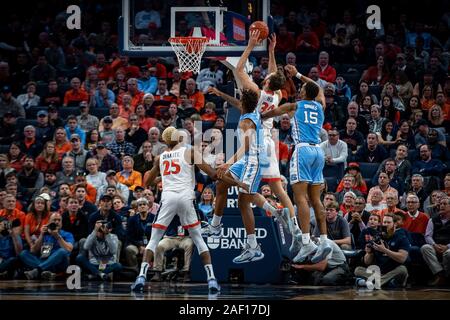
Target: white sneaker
<point>305,252</point>
<point>249,255</point>
<point>323,250</point>
<point>138,285</point>
<point>296,244</point>
<point>213,232</point>
<point>213,286</point>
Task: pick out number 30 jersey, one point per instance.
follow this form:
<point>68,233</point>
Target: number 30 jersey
<point>177,174</point>
<point>307,122</point>
<point>268,101</point>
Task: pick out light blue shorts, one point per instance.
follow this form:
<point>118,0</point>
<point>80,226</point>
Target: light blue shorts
<point>307,164</point>
<point>248,172</point>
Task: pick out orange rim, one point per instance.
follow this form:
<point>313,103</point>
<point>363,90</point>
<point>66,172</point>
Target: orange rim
<point>185,40</point>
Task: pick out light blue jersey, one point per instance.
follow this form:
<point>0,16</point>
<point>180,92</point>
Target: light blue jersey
<point>248,168</point>
<point>307,122</point>
<point>308,159</point>
<point>257,147</point>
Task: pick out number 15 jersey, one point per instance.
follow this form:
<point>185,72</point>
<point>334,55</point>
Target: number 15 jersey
<point>176,173</point>
<point>307,122</point>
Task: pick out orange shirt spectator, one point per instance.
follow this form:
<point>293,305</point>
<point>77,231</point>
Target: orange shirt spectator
<point>131,180</point>
<point>43,165</point>
<point>161,70</point>
<point>74,96</point>
<point>15,214</point>
<point>395,211</point>
<point>129,70</point>
<point>63,148</point>
<point>91,192</point>
<point>34,225</point>
<point>136,98</point>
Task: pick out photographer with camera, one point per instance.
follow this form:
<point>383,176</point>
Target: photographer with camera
<point>102,247</point>
<point>106,212</point>
<point>50,253</point>
<point>10,211</point>
<point>389,251</point>
<point>370,231</point>
<point>10,246</point>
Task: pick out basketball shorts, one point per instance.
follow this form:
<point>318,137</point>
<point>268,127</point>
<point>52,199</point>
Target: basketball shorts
<point>307,164</point>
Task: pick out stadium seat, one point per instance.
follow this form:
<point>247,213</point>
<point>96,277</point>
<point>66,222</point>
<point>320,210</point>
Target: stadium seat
<point>368,169</point>
<point>412,155</point>
<point>336,171</point>
<point>22,123</point>
<point>332,184</point>
<point>64,112</point>
<point>4,148</point>
<point>99,112</point>
<point>41,89</point>
<point>32,112</point>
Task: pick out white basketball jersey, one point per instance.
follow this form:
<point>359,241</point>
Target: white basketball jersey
<point>177,175</point>
<point>267,101</point>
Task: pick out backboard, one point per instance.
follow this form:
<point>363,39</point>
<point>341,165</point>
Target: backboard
<point>146,25</point>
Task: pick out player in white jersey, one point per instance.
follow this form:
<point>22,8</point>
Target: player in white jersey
<point>268,99</point>
<point>176,166</point>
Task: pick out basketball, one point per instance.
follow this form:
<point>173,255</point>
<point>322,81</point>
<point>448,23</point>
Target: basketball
<point>262,27</point>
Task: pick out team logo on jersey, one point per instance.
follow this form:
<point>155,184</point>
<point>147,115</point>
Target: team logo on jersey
<point>233,238</point>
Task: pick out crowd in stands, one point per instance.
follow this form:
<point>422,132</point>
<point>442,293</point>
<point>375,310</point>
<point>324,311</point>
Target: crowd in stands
<point>81,125</point>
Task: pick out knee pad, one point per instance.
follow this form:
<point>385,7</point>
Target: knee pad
<point>198,239</point>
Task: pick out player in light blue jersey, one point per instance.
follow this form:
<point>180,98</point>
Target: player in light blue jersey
<point>307,163</point>
<point>269,97</point>
<point>246,166</point>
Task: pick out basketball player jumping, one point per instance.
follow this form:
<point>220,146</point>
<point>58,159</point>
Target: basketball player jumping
<point>307,163</point>
<point>269,98</point>
<point>176,167</point>
<point>245,166</point>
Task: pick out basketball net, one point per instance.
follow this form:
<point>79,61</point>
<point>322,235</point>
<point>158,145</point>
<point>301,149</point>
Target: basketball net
<point>189,51</point>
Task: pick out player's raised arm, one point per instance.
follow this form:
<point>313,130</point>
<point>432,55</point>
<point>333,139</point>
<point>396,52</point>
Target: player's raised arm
<point>151,175</point>
<point>231,100</point>
<point>284,108</point>
<point>243,77</point>
<point>294,73</point>
<point>272,61</point>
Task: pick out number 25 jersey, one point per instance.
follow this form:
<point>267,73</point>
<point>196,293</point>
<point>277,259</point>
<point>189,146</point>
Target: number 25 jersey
<point>176,173</point>
<point>307,122</point>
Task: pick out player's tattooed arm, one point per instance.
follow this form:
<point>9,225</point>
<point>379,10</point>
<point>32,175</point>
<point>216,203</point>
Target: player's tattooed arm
<point>151,175</point>
<point>284,108</point>
<point>292,70</point>
<point>231,100</point>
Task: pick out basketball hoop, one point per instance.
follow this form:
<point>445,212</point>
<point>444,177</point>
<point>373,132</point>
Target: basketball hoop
<point>189,51</point>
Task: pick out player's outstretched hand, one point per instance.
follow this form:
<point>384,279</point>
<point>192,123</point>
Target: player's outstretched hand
<point>254,38</point>
<point>291,70</point>
<point>272,41</point>
<point>213,90</point>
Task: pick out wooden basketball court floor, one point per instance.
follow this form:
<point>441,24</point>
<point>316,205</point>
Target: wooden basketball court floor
<point>36,290</point>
